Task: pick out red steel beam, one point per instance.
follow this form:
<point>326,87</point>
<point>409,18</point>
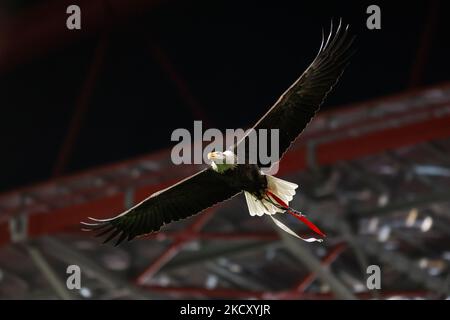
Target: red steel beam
<point>299,289</point>
<point>326,261</point>
<point>424,45</point>
<point>81,107</point>
<point>87,174</point>
<point>368,144</point>
<point>378,142</point>
<point>4,233</point>
<point>411,92</point>
<point>371,121</point>
<point>180,84</point>
<point>91,193</point>
<point>159,262</point>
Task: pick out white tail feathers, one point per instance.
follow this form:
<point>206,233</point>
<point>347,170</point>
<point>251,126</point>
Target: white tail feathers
<point>283,189</point>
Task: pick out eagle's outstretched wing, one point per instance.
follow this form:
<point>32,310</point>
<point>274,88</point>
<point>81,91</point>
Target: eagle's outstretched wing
<point>298,105</point>
<point>181,200</point>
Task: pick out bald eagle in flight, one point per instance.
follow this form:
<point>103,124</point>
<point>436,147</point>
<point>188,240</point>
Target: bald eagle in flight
<point>225,177</point>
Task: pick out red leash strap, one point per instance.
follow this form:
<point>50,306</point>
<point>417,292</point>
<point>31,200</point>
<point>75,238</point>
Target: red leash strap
<point>302,218</point>
<point>310,225</point>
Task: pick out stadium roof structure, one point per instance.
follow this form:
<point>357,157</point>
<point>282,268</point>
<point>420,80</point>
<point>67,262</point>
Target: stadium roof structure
<point>375,176</point>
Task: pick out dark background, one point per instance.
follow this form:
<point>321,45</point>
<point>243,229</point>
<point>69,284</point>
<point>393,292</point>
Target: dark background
<point>221,61</point>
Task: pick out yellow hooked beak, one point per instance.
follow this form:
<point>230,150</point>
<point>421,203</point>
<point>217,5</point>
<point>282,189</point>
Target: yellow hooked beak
<point>211,156</point>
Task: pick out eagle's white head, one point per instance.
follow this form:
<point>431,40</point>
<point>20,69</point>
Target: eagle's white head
<point>222,161</point>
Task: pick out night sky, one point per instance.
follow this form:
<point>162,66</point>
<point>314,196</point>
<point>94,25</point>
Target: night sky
<point>232,60</point>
